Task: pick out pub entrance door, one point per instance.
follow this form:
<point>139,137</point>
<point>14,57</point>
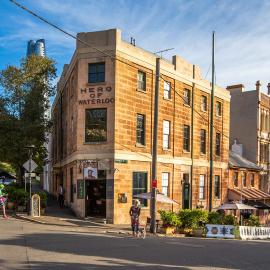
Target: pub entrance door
<point>95,199</point>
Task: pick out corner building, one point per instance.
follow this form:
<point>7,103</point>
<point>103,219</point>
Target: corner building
<point>103,126</point>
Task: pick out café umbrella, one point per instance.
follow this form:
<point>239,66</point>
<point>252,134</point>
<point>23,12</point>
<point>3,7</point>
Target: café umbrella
<point>234,206</point>
<point>160,197</point>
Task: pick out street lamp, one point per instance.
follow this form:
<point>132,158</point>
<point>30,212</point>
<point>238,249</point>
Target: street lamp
<point>30,154</point>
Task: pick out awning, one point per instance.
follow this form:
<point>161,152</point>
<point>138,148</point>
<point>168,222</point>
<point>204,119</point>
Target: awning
<point>258,205</point>
<point>248,194</point>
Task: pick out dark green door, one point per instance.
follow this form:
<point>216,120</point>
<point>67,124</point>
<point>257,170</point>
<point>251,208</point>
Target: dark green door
<point>186,196</point>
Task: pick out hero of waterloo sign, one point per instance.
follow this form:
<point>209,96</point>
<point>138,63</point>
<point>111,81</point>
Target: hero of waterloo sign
<point>96,95</point>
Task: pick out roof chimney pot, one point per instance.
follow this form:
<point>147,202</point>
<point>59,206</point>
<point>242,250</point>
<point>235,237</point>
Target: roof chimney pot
<point>258,85</point>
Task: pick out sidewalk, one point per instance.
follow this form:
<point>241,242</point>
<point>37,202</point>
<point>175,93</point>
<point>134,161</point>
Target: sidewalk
<point>57,216</point>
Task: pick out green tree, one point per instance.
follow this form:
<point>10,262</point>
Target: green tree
<point>23,105</point>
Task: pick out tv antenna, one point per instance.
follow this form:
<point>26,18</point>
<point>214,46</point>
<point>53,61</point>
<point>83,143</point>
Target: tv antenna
<point>162,51</point>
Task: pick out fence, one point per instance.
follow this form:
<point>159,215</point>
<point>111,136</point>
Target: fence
<point>247,232</point>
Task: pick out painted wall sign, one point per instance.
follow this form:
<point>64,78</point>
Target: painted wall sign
<point>96,95</point>
<point>80,189</point>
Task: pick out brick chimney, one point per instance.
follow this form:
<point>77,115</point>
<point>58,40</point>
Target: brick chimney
<point>258,85</point>
<point>268,87</point>
<point>236,87</point>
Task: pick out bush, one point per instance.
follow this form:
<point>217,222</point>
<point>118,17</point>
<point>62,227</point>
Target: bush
<point>43,198</point>
<point>169,218</point>
<point>215,218</point>
<point>253,221</point>
<point>17,195</point>
<point>193,218</point>
<point>229,220</point>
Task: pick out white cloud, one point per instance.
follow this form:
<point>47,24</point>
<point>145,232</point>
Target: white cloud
<point>242,54</point>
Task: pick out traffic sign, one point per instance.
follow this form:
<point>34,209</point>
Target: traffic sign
<point>30,164</point>
<point>154,183</point>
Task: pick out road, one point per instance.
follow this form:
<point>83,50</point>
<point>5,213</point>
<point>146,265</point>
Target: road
<point>25,245</point>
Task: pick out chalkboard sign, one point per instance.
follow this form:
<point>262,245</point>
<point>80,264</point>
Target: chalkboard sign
<point>80,189</point>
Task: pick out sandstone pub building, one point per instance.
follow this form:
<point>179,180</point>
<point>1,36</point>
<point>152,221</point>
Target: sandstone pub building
<point>103,122</point>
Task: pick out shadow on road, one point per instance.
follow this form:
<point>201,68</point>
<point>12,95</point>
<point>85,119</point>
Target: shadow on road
<point>94,251</point>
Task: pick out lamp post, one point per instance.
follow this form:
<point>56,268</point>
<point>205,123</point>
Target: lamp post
<point>30,154</point>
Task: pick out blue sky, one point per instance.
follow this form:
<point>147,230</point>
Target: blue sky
<point>242,31</point>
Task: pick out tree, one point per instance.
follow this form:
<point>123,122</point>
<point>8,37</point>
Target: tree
<point>23,106</point>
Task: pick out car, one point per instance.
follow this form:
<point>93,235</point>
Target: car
<point>7,181</point>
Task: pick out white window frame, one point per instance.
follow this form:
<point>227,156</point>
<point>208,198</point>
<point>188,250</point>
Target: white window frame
<point>202,187</point>
<point>165,183</point>
<point>167,90</point>
<point>166,134</point>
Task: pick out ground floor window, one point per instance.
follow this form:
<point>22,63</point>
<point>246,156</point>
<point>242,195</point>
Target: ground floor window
<point>217,187</point>
<point>140,185</point>
<point>202,187</point>
<point>165,183</point>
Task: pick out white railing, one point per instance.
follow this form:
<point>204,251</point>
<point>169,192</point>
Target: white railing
<point>247,232</point>
<point>220,231</point>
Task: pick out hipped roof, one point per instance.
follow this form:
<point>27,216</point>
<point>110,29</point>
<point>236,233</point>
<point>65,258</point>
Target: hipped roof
<point>237,161</point>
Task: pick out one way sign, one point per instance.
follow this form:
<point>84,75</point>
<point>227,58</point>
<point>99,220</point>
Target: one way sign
<point>30,164</point>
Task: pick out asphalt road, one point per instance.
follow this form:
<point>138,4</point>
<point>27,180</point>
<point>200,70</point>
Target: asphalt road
<point>25,245</point>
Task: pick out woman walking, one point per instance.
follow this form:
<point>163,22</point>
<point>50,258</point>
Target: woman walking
<point>134,213</point>
<point>3,200</point>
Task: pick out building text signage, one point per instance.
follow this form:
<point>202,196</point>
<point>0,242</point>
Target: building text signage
<point>96,95</point>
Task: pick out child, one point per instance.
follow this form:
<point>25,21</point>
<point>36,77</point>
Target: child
<point>3,200</point>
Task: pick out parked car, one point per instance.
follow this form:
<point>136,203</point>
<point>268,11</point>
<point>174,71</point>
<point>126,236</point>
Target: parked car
<point>7,181</point>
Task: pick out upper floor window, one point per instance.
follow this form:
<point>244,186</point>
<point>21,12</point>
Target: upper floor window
<point>167,90</point>
<point>218,144</point>
<point>252,182</point>
<point>218,108</point>
<point>235,179</point>
<point>165,183</point>
<point>204,103</point>
<point>186,138</point>
<point>203,141</point>
<point>95,125</point>
<point>141,80</point>
<point>217,187</point>
<point>166,134</point>
<point>187,96</point>
<point>202,187</point>
<point>140,136</point>
<point>96,72</point>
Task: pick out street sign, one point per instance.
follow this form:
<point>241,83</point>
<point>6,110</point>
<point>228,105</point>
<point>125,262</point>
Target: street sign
<point>28,174</point>
<point>30,164</point>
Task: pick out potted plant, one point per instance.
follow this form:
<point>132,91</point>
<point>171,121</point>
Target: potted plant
<point>170,221</point>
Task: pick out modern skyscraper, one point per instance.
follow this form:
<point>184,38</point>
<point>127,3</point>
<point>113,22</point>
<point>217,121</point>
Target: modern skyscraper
<point>37,48</point>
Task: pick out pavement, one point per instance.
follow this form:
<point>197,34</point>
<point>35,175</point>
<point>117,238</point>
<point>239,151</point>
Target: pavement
<point>26,245</point>
<point>57,216</point>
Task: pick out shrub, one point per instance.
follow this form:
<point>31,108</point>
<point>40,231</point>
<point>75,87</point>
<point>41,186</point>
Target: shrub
<point>193,218</point>
<point>253,221</point>
<point>229,220</point>
<point>43,198</point>
<point>169,218</point>
<point>215,218</point>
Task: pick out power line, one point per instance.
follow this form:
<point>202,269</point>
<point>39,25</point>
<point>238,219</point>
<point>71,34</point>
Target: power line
<point>103,52</point>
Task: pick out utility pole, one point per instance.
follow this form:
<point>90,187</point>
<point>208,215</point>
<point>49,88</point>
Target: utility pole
<point>212,123</point>
<point>30,153</point>
<point>154,152</point>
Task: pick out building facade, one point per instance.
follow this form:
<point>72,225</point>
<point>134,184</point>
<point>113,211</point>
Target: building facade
<point>103,123</point>
<point>250,126</point>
